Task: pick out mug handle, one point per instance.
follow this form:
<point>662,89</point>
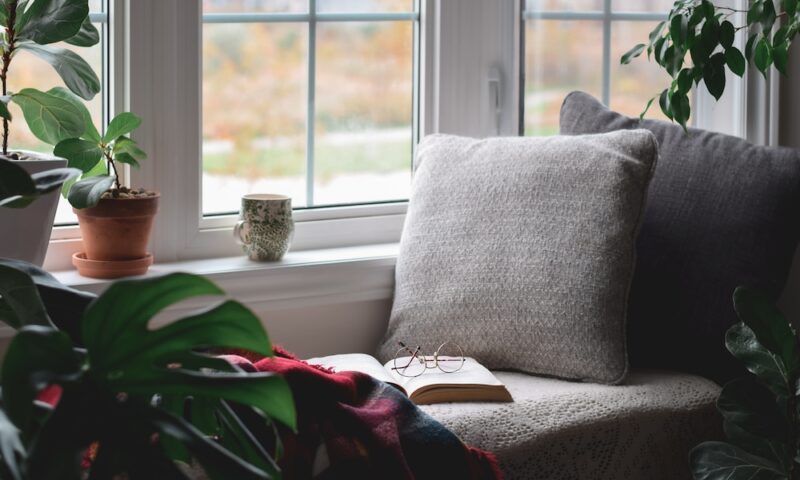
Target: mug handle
<point>240,232</point>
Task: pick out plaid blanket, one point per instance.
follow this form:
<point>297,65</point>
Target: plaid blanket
<point>352,426</point>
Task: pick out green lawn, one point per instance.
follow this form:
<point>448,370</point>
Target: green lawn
<point>330,160</point>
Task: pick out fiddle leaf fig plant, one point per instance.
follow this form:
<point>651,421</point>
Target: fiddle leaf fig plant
<point>96,155</point>
<point>113,395</point>
<point>760,412</point>
<point>697,44</point>
<point>30,27</point>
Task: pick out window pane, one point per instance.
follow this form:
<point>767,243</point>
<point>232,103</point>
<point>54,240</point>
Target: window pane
<point>563,5</point>
<point>560,56</point>
<point>362,6</point>
<point>253,6</point>
<point>364,109</point>
<point>634,84</point>
<point>653,6</point>
<point>254,112</point>
<point>96,6</point>
<point>28,71</point>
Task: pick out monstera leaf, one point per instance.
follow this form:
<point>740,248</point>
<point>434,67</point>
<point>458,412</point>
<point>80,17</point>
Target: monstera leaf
<point>126,390</point>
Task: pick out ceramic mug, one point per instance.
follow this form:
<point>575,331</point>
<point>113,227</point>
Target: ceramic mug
<point>266,227</point>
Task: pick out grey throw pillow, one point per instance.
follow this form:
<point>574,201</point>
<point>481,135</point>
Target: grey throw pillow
<point>521,251</point>
<point>721,212</point>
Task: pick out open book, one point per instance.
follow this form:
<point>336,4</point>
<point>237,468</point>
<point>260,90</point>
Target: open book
<point>472,383</point>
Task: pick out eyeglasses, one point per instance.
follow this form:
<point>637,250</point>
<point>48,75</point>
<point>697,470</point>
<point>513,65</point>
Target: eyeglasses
<point>408,362</point>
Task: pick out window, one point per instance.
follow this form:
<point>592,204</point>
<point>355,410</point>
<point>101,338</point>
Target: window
<point>576,45</point>
<point>314,100</point>
<point>30,71</point>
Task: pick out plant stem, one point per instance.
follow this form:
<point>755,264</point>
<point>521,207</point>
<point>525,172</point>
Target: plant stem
<point>112,166</point>
<point>9,49</point>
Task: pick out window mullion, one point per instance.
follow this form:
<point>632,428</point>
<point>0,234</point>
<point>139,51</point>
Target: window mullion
<point>312,95</point>
<point>606,51</point>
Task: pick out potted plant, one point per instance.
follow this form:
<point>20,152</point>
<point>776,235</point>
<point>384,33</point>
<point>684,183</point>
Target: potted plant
<point>109,396</point>
<point>706,33</point>
<point>30,27</point>
<point>115,221</point>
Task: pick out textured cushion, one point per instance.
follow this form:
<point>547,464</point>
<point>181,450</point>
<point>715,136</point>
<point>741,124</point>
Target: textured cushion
<point>521,250</point>
<point>721,212</point>
<point>556,430</point>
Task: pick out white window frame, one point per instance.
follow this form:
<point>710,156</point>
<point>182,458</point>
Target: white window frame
<point>470,55</point>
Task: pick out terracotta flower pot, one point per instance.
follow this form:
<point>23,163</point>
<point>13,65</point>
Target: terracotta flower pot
<point>118,230</point>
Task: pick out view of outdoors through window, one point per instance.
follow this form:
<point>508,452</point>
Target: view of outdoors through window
<point>308,99</point>
<point>32,72</point>
<point>576,45</point>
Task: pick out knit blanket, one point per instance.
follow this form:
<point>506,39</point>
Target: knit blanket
<point>351,426</point>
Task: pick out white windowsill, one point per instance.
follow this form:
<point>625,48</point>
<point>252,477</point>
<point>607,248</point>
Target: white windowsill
<point>312,276</point>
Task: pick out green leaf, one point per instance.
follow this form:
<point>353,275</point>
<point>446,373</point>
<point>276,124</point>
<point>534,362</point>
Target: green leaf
<point>50,118</point>
<point>684,80</point>
<point>709,37</point>
<point>681,110</point>
<point>100,168</point>
<point>64,305</point>
<point>659,49</point>
<point>76,73</point>
<point>770,327</point>
<point>122,124</point>
<point>646,108</point>
<point>86,193</point>
<point>4,113</point>
<point>772,450</point>
<point>790,6</point>
<point>756,12</point>
<point>14,182</point>
<point>768,17</point>
<point>124,144</point>
<point>678,28</point>
<point>131,357</point>
<point>726,34</point>
<point>128,159</point>
<point>735,61</point>
<point>36,357</point>
<point>723,461</point>
<point>743,344</point>
<point>714,75</point>
<point>12,452</point>
<point>80,154</point>
<point>50,21</point>
<point>763,55</point>
<point>87,36</point>
<point>632,53</point>
<point>237,439</point>
<point>780,56</point>
<point>219,463</point>
<point>663,102</point>
<point>752,407</point>
<point>20,303</point>
<point>672,60</point>
<point>751,43</point>
<point>90,132</point>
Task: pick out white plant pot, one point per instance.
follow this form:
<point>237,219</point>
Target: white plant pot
<point>26,231</point>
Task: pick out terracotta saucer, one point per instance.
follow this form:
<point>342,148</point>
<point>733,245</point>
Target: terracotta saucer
<point>111,268</point>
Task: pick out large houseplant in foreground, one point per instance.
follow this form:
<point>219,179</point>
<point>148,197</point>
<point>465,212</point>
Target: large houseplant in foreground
<point>697,43</point>
<point>30,27</point>
<point>761,412</point>
<point>133,399</point>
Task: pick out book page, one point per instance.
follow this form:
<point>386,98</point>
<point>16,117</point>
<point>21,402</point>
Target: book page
<point>356,362</point>
<point>471,373</point>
